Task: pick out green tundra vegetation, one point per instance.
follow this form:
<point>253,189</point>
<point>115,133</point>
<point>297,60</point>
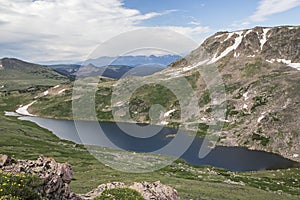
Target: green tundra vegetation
<point>26,140</point>
<point>121,194</point>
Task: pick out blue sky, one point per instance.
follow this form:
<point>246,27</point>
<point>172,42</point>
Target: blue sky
<point>206,13</point>
<point>68,30</point>
<point>218,15</point>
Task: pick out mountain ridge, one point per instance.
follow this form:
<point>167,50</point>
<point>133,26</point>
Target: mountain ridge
<point>133,61</point>
<point>16,74</point>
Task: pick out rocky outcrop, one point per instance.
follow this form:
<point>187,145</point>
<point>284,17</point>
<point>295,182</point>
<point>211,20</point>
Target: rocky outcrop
<point>268,42</point>
<point>150,191</point>
<point>55,177</point>
<point>6,160</point>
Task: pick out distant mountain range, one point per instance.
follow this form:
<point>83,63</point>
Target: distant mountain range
<point>133,61</point>
<point>112,71</point>
<point>117,67</point>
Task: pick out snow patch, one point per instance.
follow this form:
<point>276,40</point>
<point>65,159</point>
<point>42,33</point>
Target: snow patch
<point>11,114</point>
<point>204,119</point>
<point>164,123</point>
<point>251,56</point>
<point>237,42</point>
<point>229,36</point>
<point>245,95</point>
<point>261,117</point>
<point>264,38</point>
<point>293,27</point>
<point>287,62</point>
<point>295,155</point>
<point>61,91</point>
<point>270,61</point>
<point>56,86</point>
<point>188,68</point>
<point>236,55</point>
<point>219,36</point>
<point>2,86</point>
<point>46,93</point>
<point>283,61</point>
<point>295,65</point>
<point>169,112</point>
<point>24,109</point>
<point>245,106</point>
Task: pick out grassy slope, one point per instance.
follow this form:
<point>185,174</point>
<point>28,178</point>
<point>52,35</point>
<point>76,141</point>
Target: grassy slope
<point>25,140</point>
<point>15,79</point>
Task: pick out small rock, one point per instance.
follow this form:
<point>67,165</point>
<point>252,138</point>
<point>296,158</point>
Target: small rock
<point>5,160</point>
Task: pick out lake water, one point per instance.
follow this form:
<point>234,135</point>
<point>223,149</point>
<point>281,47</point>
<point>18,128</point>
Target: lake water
<point>230,158</point>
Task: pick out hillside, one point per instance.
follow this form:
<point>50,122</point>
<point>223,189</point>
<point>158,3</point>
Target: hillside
<point>258,69</point>
<point>19,75</point>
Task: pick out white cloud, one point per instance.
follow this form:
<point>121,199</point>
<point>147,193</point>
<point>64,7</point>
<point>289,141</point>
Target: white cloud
<point>194,23</point>
<point>67,29</point>
<point>270,7</point>
<point>196,32</point>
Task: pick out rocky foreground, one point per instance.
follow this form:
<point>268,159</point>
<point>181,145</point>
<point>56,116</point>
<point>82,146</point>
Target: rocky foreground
<point>56,177</point>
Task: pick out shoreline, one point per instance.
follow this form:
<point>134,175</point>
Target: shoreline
<point>296,163</point>
<point>292,156</point>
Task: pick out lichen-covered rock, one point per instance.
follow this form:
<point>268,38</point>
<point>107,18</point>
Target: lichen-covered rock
<point>155,190</point>
<point>55,177</point>
<point>150,191</point>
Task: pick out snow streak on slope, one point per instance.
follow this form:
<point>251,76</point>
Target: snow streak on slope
<point>287,62</point>
<point>264,39</point>
<point>237,42</point>
<point>24,109</point>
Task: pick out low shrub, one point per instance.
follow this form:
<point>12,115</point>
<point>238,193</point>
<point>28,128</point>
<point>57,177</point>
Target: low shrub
<point>120,194</point>
<point>19,186</point>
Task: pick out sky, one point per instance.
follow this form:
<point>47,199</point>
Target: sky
<point>67,31</point>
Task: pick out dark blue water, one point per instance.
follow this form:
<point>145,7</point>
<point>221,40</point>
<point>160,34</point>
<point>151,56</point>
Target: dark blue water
<point>230,158</point>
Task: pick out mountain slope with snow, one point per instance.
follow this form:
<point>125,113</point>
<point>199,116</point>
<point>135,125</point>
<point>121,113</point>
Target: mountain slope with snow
<point>277,44</point>
<point>260,71</point>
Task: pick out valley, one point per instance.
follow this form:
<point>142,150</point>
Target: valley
<point>254,105</point>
